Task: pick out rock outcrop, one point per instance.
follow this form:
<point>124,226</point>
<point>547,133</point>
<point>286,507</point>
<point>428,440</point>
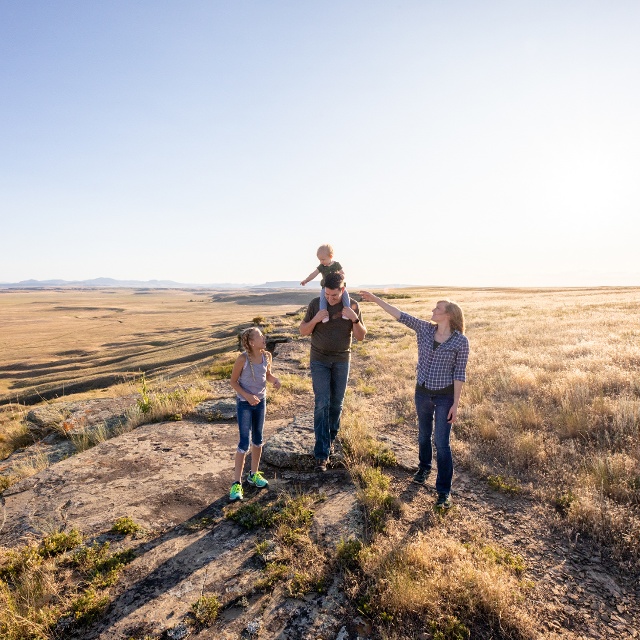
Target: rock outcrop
<point>292,446</point>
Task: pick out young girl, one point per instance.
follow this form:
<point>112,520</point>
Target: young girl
<point>327,265</point>
<point>249,378</point>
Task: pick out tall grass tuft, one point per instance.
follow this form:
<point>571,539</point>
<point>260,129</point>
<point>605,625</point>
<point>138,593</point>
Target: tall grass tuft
<point>437,578</point>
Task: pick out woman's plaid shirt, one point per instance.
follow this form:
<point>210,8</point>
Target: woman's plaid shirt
<point>438,369</point>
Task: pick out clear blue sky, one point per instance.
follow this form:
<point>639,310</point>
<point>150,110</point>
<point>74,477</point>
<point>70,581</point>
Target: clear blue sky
<point>432,141</point>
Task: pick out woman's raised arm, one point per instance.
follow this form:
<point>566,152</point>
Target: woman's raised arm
<point>367,296</point>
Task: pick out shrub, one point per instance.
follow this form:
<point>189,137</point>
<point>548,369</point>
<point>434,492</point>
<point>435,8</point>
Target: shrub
<point>205,610</point>
<point>125,526</point>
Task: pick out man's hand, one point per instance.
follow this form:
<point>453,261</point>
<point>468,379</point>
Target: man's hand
<point>350,313</point>
<point>321,315</point>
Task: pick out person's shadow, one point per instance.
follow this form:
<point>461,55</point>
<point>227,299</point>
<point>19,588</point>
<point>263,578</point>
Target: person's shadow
<point>223,535</point>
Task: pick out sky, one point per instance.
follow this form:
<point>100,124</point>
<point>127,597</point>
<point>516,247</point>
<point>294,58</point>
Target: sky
<point>431,142</point>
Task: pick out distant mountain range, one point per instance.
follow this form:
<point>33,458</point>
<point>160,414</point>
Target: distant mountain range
<point>167,284</point>
<point>147,284</point>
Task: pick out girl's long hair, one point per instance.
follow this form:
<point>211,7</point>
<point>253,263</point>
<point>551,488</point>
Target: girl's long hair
<point>456,317</point>
<point>245,336</point>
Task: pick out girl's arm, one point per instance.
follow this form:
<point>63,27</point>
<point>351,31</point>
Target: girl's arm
<point>235,375</point>
<point>390,309</point>
<point>270,377</point>
<point>457,391</point>
<point>310,277</point>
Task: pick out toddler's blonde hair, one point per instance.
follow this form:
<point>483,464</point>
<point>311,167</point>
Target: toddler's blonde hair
<point>325,248</point>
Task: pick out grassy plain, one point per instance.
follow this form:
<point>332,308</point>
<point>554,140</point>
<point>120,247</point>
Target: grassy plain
<point>57,342</point>
<point>552,402</point>
<point>551,408</point>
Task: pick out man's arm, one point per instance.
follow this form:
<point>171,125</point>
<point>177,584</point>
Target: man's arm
<point>306,328</point>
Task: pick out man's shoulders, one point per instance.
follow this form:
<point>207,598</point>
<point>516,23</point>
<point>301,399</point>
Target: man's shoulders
<point>312,308</point>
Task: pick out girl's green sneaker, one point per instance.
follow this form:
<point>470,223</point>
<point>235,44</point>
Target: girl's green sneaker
<point>257,480</point>
<point>236,492</point>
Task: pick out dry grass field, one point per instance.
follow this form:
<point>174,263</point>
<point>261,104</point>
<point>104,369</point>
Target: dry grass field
<point>57,342</point>
<point>550,417</point>
<point>552,402</point>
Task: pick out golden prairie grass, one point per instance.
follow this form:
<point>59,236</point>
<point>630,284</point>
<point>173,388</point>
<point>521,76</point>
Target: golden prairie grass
<point>61,342</point>
<point>162,400</point>
<point>552,398</point>
<point>436,578</point>
<point>159,400</point>
<point>547,407</point>
<point>292,388</point>
<point>55,578</point>
<point>13,432</point>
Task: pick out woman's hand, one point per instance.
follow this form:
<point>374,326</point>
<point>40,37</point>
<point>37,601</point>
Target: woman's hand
<point>453,414</point>
<point>276,383</point>
<point>367,296</point>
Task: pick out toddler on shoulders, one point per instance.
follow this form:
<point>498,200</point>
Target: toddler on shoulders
<point>327,265</point>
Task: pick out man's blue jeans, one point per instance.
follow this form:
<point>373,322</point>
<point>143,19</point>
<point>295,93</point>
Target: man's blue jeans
<point>329,386</point>
<point>429,407</point>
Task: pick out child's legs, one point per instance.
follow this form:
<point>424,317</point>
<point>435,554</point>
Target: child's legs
<point>323,303</point>
<point>244,426</point>
<point>257,426</point>
<point>239,466</point>
<point>345,298</point>
<point>323,300</point>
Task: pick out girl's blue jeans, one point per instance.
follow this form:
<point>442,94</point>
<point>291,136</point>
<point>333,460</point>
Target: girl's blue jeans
<point>251,423</point>
<point>430,409</point>
<point>346,302</point>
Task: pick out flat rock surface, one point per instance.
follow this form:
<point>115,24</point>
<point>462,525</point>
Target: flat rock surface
<point>158,474</point>
<point>166,476</point>
<point>70,416</point>
<point>292,446</point>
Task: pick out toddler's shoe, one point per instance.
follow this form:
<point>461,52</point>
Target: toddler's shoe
<point>325,319</point>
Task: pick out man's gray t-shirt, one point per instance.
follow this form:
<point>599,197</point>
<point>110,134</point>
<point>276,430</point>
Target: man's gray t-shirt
<point>331,341</point>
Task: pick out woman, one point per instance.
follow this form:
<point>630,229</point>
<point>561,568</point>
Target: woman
<point>443,350</point>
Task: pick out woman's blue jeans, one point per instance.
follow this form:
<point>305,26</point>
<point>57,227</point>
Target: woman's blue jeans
<point>250,423</point>
<point>429,407</point>
<point>329,386</point>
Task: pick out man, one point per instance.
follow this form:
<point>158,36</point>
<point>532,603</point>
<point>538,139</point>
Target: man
<point>330,356</point>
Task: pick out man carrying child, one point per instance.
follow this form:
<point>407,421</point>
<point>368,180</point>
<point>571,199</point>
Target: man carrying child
<point>330,359</point>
